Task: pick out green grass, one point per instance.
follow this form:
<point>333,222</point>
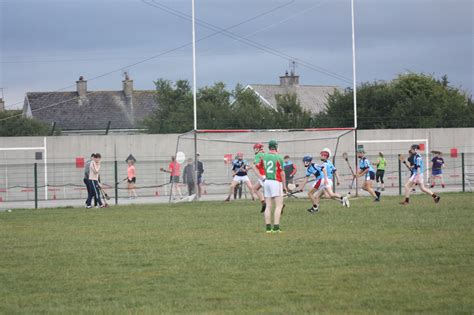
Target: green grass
<point>214,258</point>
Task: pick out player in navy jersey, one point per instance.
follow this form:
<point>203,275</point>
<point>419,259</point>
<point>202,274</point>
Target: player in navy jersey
<point>239,174</point>
<point>437,165</point>
<point>368,173</point>
<point>417,176</point>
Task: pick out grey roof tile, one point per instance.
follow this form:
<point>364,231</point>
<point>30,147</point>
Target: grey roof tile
<point>93,111</point>
<point>312,97</point>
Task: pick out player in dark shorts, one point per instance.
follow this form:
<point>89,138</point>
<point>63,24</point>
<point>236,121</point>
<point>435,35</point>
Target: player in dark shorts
<point>437,165</point>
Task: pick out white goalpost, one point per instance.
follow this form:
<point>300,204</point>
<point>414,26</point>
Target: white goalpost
<point>45,161</point>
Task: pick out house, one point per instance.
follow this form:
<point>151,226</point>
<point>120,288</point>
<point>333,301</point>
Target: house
<point>312,97</point>
<point>92,112</point>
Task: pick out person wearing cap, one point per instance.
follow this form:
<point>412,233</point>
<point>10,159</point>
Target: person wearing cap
<point>381,163</point>
<point>239,175</point>
<point>273,186</point>
<point>368,173</point>
<point>417,177</point>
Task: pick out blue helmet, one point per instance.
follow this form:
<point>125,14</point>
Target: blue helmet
<point>307,159</point>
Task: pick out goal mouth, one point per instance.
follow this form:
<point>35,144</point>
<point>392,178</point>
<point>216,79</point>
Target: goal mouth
<point>218,149</point>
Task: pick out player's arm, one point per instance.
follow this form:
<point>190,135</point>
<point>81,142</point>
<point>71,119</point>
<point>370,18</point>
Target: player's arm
<point>325,172</point>
<point>294,170</point>
<point>282,174</point>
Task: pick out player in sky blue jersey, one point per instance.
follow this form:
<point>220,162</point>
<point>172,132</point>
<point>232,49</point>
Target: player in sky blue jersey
<point>367,171</point>
<point>417,176</point>
<point>331,170</point>
<point>239,175</point>
<point>321,182</point>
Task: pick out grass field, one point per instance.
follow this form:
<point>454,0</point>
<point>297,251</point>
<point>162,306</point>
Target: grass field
<point>214,258</point>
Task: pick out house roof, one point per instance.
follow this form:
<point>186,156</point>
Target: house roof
<point>312,97</point>
<point>91,112</point>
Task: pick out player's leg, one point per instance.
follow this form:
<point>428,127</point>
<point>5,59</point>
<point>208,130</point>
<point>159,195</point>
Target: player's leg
<point>233,184</point>
<point>277,215</point>
<point>268,215</point>
<point>377,179</point>
<point>433,178</point>
<point>328,191</point>
<point>369,189</point>
<point>441,178</point>
<point>257,189</point>
<point>408,187</point>
<point>427,191</point>
<point>248,183</point>
<point>382,183</point>
<point>178,189</point>
<point>314,206</point>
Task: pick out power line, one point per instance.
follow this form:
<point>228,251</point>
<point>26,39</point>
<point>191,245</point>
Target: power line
<point>151,58</point>
<point>249,42</point>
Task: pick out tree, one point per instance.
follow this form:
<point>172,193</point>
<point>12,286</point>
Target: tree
<point>175,110</point>
<point>409,101</point>
<point>14,124</point>
<point>214,109</point>
<point>248,110</point>
<point>290,114</point>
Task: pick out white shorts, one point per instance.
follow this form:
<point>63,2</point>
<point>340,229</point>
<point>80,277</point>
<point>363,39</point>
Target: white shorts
<point>416,178</point>
<point>318,185</point>
<point>272,188</point>
<point>241,179</point>
<point>329,185</point>
<point>260,182</point>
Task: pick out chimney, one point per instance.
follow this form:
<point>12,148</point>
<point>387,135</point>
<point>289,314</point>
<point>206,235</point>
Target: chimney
<point>2,105</point>
<point>289,80</point>
<point>127,86</point>
<point>81,85</point>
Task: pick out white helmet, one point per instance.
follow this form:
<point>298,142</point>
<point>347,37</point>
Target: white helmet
<point>328,151</point>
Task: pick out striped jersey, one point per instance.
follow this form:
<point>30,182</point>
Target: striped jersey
<point>316,170</point>
<point>240,167</point>
<point>418,163</point>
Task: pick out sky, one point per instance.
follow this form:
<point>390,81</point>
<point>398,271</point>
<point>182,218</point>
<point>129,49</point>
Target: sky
<point>47,44</point>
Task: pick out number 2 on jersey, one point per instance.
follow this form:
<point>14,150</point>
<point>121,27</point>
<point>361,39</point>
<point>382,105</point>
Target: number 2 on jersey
<point>269,167</point>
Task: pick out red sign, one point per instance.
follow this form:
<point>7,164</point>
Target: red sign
<point>227,158</point>
<point>422,147</point>
<point>454,153</point>
<point>79,162</point>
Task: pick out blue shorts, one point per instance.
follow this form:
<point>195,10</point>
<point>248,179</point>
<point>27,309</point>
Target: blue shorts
<point>370,176</point>
<point>436,171</point>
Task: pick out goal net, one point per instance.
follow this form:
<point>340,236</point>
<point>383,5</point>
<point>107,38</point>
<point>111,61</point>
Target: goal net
<point>218,148</point>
